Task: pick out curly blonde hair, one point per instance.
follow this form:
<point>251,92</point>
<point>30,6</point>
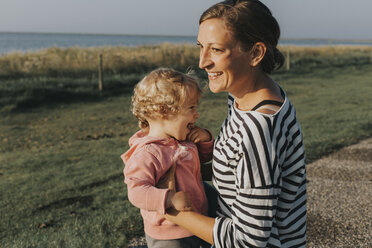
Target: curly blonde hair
<point>161,93</point>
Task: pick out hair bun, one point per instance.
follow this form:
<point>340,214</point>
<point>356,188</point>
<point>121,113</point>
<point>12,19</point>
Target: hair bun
<point>278,58</point>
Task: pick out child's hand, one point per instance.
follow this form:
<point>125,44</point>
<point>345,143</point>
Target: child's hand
<point>179,200</point>
<point>198,134</point>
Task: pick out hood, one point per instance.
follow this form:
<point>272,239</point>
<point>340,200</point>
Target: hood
<point>140,139</point>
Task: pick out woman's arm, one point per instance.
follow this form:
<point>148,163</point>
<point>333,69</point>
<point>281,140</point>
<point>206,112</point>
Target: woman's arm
<point>198,224</point>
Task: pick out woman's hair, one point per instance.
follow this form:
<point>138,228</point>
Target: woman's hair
<point>250,21</point>
<point>161,93</point>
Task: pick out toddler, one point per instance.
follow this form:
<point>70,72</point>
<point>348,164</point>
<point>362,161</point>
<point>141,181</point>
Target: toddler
<point>165,103</point>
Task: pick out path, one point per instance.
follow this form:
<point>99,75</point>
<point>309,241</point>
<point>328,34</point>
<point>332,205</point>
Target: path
<point>340,198</point>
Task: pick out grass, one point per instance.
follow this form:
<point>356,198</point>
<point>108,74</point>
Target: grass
<point>79,62</point>
<point>332,105</point>
<point>65,179</point>
<point>61,182</point>
<point>25,93</point>
<point>57,75</point>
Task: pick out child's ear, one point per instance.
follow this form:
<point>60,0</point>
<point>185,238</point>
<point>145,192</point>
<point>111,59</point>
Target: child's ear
<point>257,53</point>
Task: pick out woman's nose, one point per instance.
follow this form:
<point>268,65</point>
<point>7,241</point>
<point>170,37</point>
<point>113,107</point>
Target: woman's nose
<point>204,59</point>
<point>196,115</point>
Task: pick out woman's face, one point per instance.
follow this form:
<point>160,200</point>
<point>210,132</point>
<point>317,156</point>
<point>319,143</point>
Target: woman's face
<point>221,57</point>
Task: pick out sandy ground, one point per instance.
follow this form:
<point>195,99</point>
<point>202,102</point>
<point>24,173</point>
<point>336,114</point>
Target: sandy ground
<point>339,199</point>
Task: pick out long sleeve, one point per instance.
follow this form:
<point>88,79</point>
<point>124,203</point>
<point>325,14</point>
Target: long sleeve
<point>254,205</point>
<point>252,215</point>
<point>140,174</point>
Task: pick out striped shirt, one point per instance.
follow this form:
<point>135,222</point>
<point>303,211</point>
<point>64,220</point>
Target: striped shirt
<point>259,172</point>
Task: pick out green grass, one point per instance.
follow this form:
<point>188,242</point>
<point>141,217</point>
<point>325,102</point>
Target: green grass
<point>61,182</point>
<point>333,106</point>
<point>23,93</point>
<point>61,167</point>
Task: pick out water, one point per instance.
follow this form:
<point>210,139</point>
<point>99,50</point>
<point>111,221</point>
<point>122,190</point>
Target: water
<point>25,42</point>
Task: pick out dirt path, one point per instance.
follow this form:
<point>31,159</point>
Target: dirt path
<point>339,199</point>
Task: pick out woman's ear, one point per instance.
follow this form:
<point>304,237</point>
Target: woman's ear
<point>258,52</point>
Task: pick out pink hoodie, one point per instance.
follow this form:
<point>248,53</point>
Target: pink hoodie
<point>146,161</point>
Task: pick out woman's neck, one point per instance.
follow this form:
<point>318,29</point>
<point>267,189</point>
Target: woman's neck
<point>259,88</point>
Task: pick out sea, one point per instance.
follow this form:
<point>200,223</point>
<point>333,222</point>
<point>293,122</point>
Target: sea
<point>28,42</point>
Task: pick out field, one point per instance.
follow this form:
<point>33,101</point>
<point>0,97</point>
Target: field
<point>61,140</point>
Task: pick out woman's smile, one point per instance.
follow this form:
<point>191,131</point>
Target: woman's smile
<point>214,75</point>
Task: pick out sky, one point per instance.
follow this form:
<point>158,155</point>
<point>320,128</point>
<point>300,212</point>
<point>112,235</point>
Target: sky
<point>328,19</point>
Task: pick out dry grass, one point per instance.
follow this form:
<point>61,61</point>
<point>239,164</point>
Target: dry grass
<point>76,61</point>
<point>328,50</point>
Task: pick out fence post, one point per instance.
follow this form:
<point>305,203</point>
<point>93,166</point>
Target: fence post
<point>288,59</point>
<point>100,72</point>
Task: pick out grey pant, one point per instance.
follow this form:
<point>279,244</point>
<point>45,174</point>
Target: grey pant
<point>189,242</point>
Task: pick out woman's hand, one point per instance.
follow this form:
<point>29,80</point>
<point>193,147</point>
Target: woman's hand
<point>199,225</point>
<point>198,134</point>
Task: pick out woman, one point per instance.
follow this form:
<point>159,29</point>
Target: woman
<point>258,157</point>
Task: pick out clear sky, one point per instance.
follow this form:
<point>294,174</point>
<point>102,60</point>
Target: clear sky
<point>340,19</point>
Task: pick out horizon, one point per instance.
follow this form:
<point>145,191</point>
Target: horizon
<point>169,35</point>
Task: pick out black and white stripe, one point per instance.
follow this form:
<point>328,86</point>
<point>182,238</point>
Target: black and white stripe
<point>259,172</point>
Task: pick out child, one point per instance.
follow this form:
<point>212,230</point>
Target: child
<point>165,103</point>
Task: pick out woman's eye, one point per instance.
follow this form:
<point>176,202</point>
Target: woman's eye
<point>216,49</point>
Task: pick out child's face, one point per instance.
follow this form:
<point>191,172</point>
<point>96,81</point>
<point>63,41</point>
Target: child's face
<point>178,126</point>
